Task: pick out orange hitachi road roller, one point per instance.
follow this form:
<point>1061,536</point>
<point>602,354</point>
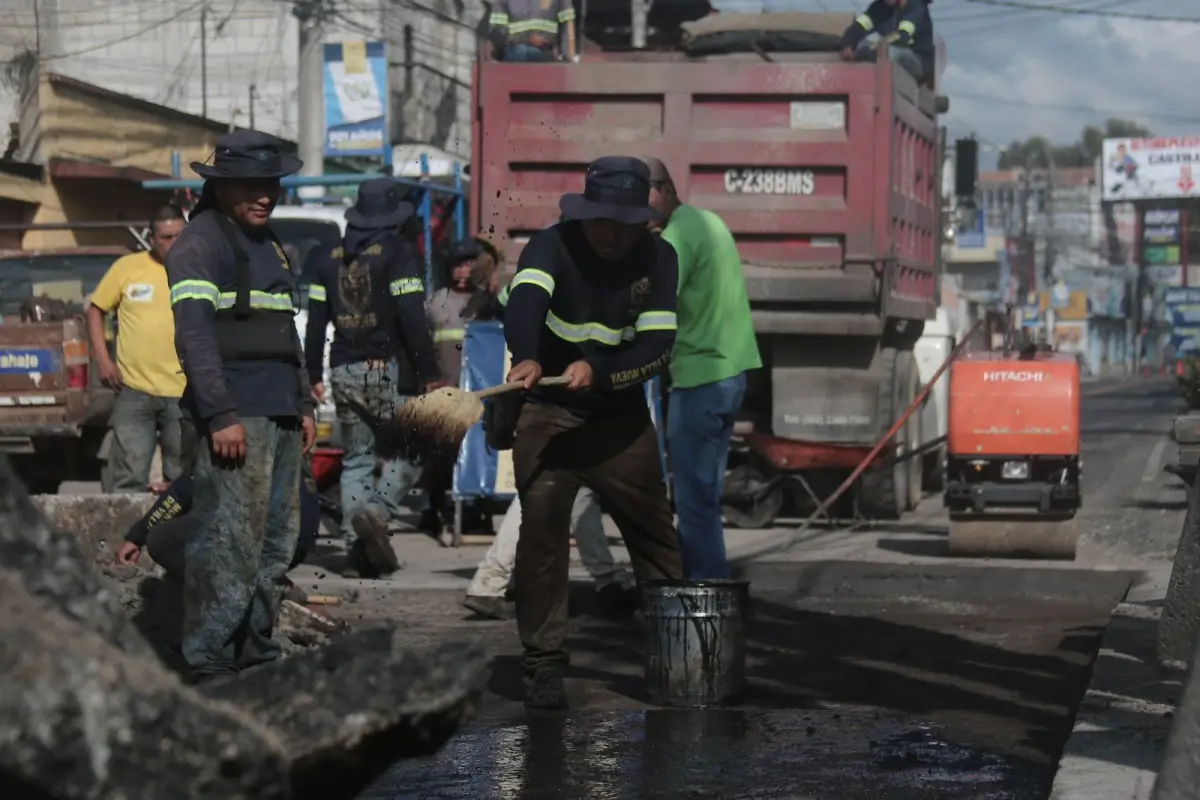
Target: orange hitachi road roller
<point>1012,466</point>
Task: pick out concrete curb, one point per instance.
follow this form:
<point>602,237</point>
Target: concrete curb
<point>1120,733</point>
<point>99,521</point>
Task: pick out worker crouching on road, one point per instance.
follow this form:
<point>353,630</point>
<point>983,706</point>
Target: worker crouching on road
<point>708,370</point>
<point>905,34</point>
<point>372,290</point>
<point>248,406</point>
<point>593,299</point>
<point>165,529</point>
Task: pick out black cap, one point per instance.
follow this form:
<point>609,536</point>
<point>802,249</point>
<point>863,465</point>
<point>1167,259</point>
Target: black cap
<point>380,204</point>
<point>467,250</point>
<point>248,155</point>
<point>616,188</point>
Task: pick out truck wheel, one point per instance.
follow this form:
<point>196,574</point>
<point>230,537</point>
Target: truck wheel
<point>748,503</point>
<point>883,491</point>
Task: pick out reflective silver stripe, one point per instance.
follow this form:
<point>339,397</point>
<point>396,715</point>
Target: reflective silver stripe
<point>865,22</point>
<point>656,321</point>
<point>568,15</point>
<point>450,335</point>
<point>498,18</point>
<point>908,26</point>
<point>195,290</point>
<point>261,300</point>
<point>402,286</point>
<point>504,293</point>
<point>317,292</point>
<point>586,331</point>
<point>529,25</point>
<point>534,277</point>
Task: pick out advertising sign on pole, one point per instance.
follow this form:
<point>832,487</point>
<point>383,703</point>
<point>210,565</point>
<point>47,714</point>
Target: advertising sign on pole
<point>356,100</point>
<point>1151,169</point>
<point>1183,315</point>
<point>975,237</point>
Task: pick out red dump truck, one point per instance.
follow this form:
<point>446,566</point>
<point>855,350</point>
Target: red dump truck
<point>829,176</point>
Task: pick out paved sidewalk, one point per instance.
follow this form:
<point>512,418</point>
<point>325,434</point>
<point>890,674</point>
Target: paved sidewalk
<point>1121,728</point>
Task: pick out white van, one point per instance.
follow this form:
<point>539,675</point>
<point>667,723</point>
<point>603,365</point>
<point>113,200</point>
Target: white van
<point>309,229</point>
<point>932,349</point>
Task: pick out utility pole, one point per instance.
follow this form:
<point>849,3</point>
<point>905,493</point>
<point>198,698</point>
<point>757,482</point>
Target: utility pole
<point>1051,234</point>
<point>253,91</point>
<point>204,61</point>
<point>312,15</point>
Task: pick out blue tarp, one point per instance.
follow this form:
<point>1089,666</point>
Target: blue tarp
<point>484,357</point>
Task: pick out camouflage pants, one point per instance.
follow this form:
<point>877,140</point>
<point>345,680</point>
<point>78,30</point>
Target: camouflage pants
<point>247,522</point>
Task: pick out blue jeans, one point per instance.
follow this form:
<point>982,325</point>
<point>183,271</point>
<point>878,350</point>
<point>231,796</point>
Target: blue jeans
<point>245,522</point>
<point>906,58</point>
<point>373,388</point>
<point>141,422</point>
<point>699,429</point>
<point>527,53</point>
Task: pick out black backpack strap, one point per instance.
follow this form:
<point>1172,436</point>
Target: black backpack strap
<point>241,267</point>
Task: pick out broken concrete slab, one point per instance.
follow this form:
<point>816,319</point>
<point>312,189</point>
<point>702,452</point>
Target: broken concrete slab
<point>87,711</point>
<point>79,718</point>
<point>367,688</point>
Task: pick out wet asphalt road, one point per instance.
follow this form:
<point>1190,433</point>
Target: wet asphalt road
<point>866,681</point>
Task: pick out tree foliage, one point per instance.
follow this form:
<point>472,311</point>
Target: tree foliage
<point>1033,152</point>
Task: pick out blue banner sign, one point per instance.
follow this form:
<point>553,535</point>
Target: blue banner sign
<point>1182,307</point>
<point>356,100</point>
<point>481,472</point>
<point>26,361</point>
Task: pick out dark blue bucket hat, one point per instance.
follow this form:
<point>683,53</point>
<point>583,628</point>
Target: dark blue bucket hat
<point>248,155</point>
<point>467,250</point>
<point>616,188</point>
<point>380,204</point>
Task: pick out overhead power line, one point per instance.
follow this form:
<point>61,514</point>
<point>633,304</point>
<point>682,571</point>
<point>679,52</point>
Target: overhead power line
<point>1021,5</point>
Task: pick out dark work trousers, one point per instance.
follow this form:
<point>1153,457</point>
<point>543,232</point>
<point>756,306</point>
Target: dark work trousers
<point>247,522</point>
<point>141,422</point>
<point>555,452</point>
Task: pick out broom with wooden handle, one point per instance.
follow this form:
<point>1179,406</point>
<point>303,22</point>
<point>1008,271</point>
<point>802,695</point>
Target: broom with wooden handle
<point>435,424</point>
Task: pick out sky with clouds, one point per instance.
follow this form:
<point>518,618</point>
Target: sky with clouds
<point>1013,73</point>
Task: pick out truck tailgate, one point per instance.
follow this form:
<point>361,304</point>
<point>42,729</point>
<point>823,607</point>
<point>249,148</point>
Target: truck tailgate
<point>822,170</point>
<point>34,398</point>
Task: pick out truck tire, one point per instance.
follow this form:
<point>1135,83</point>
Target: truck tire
<point>883,493</point>
<point>751,505</point>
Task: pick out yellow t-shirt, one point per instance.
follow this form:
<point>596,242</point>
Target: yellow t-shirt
<point>136,287</point>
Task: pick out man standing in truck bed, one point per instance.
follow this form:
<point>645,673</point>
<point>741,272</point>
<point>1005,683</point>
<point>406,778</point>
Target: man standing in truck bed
<point>525,30</point>
<point>714,349</point>
<point>904,27</point>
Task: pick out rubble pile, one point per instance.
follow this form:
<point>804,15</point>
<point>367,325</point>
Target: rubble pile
<point>87,710</point>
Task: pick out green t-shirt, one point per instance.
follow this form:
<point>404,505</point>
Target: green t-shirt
<point>715,340</point>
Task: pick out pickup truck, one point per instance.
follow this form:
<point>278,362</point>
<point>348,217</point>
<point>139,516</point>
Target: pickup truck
<point>53,409</point>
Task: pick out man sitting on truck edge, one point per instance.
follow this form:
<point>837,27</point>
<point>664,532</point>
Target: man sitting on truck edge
<point>371,288</point>
<point>708,370</point>
<point>525,30</point>
<point>905,29</point>
<point>147,374</point>
<point>593,300</point>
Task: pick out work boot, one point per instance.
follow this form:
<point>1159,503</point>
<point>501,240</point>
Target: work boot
<point>378,557</point>
<point>615,600</point>
<point>490,607</point>
<point>546,690</point>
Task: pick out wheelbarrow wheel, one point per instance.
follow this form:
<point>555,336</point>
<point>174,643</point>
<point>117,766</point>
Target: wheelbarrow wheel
<point>752,501</point>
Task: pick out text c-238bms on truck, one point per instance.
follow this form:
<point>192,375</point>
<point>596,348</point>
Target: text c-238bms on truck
<point>827,173</point>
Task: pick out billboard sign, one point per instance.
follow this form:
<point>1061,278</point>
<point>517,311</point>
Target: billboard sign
<point>1183,316</point>
<point>975,237</point>
<point>1151,169</point>
<point>356,100</point>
